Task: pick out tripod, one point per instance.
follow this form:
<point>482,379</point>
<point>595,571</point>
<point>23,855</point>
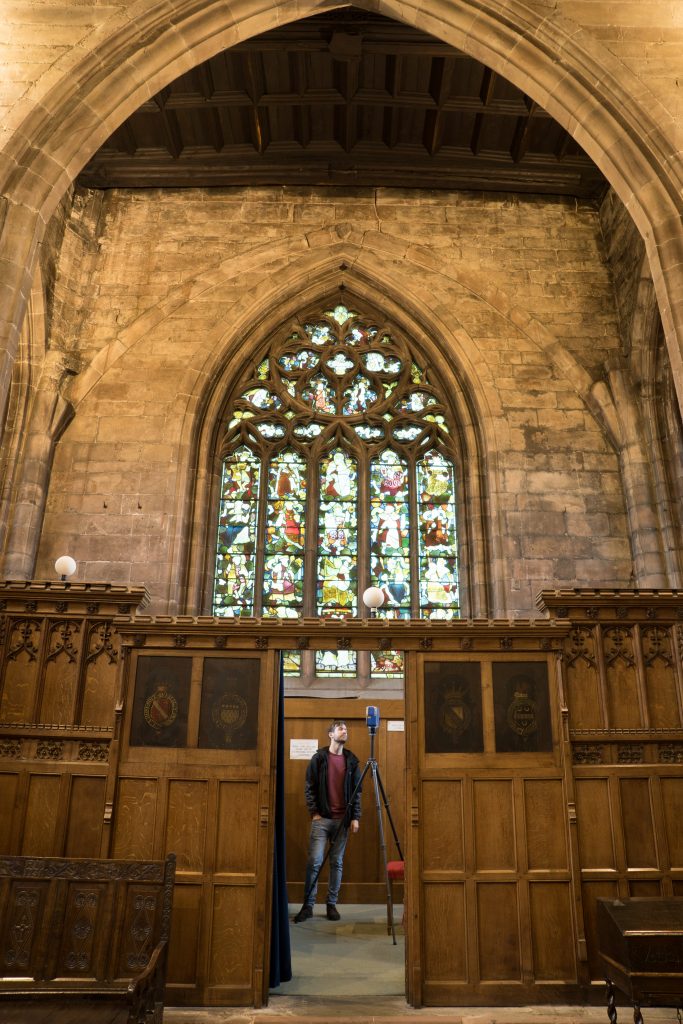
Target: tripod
<point>372,767</point>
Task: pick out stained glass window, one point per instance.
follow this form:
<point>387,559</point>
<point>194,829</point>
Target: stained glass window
<point>337,474</point>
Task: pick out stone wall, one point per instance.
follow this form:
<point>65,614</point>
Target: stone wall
<point>515,291</point>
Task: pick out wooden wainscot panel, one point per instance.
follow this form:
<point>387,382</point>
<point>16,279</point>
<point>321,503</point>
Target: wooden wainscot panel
<point>230,961</point>
<point>186,929</point>
<point>446,961</point>
<point>443,836</point>
<point>42,815</point>
<point>595,824</point>
<point>672,802</point>
<point>85,816</point>
<point>498,936</point>
<point>638,826</point>
<point>592,892</point>
<point>645,887</point>
<point>186,824</point>
<point>550,909</point>
<point>546,838</point>
<point>237,828</point>
<point>495,847</point>
<point>9,789</point>
<point>135,819</point>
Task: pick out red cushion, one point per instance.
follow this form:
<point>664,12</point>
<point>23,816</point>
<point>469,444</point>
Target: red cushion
<point>395,870</point>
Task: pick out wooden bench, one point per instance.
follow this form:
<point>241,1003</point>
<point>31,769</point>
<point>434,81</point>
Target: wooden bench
<point>84,940</point>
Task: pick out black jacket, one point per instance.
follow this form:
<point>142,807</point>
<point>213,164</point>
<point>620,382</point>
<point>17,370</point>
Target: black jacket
<point>316,785</point>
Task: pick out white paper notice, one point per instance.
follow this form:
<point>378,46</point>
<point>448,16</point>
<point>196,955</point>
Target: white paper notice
<point>302,750</point>
<point>395,726</point>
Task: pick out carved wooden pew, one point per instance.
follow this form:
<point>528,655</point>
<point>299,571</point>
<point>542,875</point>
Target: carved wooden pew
<point>84,940</point>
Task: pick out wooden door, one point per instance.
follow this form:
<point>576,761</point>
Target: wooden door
<point>490,895</point>
<point>195,778</point>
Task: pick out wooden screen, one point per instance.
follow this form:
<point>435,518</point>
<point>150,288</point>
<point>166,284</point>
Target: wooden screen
<point>195,778</point>
<point>624,690</point>
<point>489,858</point>
<point>544,769</point>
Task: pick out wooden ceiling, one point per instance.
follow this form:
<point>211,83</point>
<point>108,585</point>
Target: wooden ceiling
<point>344,98</point>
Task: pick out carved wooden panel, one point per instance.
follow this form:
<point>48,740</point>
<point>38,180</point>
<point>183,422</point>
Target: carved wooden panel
<point>80,921</point>
<point>99,674</point>
<point>584,694</point>
<point>60,675</point>
<point>20,669</point>
<point>76,953</point>
<point>659,662</point>
<point>59,670</point>
<point>141,921</point>
<point>23,903</point>
<point>621,673</point>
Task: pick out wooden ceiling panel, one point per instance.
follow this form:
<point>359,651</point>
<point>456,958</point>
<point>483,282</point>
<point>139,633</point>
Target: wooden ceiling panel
<point>344,98</point>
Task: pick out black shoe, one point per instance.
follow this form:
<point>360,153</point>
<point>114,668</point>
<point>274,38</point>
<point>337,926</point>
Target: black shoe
<point>332,912</point>
<point>304,914</point>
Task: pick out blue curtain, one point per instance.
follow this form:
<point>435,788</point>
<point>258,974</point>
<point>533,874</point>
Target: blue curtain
<point>280,952</point>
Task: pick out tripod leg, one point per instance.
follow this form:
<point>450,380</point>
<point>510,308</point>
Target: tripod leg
<point>383,845</point>
<point>391,820</point>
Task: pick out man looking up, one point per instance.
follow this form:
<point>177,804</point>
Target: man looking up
<point>332,779</point>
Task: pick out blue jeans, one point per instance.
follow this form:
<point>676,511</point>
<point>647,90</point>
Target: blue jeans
<point>322,831</point>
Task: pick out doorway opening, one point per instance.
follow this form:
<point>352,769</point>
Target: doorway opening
<point>354,956</point>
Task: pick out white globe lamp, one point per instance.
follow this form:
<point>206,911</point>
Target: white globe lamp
<point>65,566</point>
<point>373,598</point>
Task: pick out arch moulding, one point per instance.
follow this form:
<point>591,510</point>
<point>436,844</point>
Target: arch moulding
<point>609,111</point>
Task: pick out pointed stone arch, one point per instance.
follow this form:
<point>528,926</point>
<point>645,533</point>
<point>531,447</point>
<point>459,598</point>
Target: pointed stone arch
<point>429,337</point>
<point>609,112</point>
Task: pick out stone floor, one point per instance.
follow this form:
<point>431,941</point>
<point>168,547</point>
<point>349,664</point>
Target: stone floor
<point>350,972</point>
<point>357,1010</point>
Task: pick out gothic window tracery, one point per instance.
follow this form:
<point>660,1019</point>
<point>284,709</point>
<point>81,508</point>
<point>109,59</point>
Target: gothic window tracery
<point>337,474</point>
